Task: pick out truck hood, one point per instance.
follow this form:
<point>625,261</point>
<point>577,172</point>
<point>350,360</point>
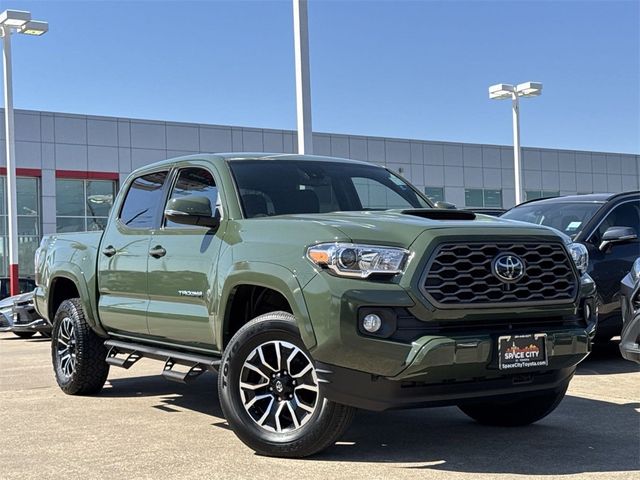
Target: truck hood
<point>402,227</point>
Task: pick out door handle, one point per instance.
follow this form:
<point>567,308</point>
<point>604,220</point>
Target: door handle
<point>157,251</point>
<point>109,251</point>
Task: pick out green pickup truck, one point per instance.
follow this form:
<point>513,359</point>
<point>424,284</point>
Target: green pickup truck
<point>315,286</point>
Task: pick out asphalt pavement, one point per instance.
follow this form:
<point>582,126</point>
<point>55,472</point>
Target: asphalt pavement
<point>142,426</point>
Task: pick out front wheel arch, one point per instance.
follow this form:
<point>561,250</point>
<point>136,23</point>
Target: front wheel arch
<point>270,276</point>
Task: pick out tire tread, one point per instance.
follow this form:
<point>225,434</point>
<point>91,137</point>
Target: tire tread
<point>91,370</point>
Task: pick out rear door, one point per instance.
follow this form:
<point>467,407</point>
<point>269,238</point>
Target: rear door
<point>182,271</point>
<point>124,253</point>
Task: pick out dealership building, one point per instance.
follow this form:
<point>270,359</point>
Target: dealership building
<point>69,167</point>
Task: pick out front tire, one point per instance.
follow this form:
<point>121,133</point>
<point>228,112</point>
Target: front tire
<point>515,413</point>
<point>78,354</point>
<point>269,391</point>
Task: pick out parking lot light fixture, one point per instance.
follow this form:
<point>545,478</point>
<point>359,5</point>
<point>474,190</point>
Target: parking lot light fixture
<point>14,18</point>
<point>13,21</point>
<point>35,27</point>
<point>502,91</point>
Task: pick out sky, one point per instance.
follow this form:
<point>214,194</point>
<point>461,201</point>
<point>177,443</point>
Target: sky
<point>407,69</point>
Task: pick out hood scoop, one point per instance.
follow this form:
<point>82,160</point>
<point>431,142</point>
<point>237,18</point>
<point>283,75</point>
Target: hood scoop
<point>441,214</point>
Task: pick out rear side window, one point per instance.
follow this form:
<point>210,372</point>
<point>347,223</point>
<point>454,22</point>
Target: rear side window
<point>140,208</point>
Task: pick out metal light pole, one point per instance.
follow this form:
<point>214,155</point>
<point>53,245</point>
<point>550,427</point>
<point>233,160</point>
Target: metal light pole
<point>303,84</point>
<point>13,21</point>
<point>502,91</point>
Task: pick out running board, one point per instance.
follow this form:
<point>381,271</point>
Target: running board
<point>125,354</point>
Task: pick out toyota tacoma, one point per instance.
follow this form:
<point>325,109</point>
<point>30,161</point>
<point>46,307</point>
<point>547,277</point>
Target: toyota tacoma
<point>315,286</point>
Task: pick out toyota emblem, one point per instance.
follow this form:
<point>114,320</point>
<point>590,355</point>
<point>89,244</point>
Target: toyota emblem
<point>508,268</point>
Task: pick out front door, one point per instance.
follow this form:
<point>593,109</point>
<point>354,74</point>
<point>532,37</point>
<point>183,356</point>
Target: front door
<point>124,253</point>
<point>610,266</point>
<point>182,269</point>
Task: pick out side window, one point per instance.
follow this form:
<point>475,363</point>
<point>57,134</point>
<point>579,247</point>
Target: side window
<point>625,215</point>
<point>143,199</point>
<point>194,181</point>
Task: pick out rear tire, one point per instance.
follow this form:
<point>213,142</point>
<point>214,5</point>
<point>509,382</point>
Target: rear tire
<point>78,354</point>
<point>269,391</point>
<point>24,334</point>
<point>515,413</point>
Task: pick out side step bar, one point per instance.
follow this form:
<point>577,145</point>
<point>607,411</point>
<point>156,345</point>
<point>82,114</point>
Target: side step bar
<point>125,354</point>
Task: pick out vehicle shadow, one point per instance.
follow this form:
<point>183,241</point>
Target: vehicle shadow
<point>605,358</point>
<point>200,396</point>
<point>36,339</point>
<point>582,435</point>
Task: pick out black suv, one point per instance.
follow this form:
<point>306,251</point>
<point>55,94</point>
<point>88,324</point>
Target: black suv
<point>608,225</point>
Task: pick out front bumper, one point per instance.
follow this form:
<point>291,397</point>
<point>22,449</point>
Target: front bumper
<point>38,325</point>
<point>26,319</point>
<point>361,390</point>
<point>435,357</point>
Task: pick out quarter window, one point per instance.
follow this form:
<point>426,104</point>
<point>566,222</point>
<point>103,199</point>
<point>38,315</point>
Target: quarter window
<point>143,199</point>
<point>196,182</point>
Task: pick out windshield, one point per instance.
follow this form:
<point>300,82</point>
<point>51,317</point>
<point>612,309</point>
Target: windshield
<point>567,217</point>
<point>282,187</point>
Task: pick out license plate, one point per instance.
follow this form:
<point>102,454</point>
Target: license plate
<point>522,351</point>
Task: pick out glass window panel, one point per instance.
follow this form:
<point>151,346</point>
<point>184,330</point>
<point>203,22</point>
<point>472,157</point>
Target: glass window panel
<point>143,200</point>
<point>473,197</point>
<point>3,225</point>
<point>4,252</point>
<point>100,195</point>
<point>70,198</point>
<point>96,223</point>
<point>27,225</point>
<point>376,195</point>
<point>550,193</point>
<point>532,194</point>
<point>435,194</point>
<point>27,246</point>
<point>70,224</point>
<point>493,198</point>
<point>27,196</point>
<point>3,197</point>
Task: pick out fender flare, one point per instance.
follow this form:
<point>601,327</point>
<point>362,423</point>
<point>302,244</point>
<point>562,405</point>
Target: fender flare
<point>274,277</point>
<point>72,272</point>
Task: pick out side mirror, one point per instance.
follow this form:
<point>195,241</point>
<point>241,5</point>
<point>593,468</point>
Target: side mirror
<point>617,235</point>
<point>191,210</point>
<point>445,205</point>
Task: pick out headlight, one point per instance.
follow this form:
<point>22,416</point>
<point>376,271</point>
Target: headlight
<point>580,256</point>
<point>359,261</point>
<point>635,270</point>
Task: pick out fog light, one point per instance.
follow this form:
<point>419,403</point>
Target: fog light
<point>371,323</point>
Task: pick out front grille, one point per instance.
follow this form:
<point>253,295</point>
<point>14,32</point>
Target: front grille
<point>461,274</point>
